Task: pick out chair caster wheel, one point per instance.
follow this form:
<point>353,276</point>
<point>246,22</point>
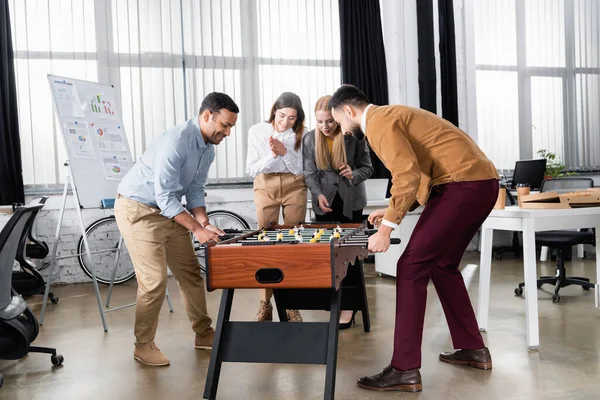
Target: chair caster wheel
<point>518,291</point>
<point>556,298</point>
<point>539,285</point>
<point>57,359</point>
<point>498,257</point>
<point>54,300</point>
<point>1,380</point>
<point>586,288</point>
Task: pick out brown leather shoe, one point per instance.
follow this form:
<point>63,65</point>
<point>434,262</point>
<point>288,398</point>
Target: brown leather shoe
<point>479,358</point>
<point>391,379</point>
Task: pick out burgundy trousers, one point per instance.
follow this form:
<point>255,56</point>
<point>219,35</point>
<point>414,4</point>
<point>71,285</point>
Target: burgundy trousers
<point>449,221</point>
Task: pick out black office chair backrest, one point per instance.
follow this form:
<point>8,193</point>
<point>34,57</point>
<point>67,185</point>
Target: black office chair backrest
<point>531,172</point>
<point>566,185</point>
<point>10,237</point>
<point>28,234</point>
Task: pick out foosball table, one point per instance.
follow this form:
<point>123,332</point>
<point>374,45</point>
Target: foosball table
<point>305,266</point>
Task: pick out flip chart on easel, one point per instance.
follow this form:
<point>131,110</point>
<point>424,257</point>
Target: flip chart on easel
<point>94,136</point>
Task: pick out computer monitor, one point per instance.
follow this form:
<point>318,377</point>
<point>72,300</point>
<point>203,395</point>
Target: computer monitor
<point>529,171</point>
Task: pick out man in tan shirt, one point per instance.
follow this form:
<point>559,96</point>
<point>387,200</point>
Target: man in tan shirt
<point>436,165</point>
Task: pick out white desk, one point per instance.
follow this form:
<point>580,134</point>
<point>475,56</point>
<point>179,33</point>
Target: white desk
<point>530,221</point>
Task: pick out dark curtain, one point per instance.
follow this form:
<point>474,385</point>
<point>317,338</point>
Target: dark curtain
<point>426,51</point>
<point>11,173</point>
<point>448,61</point>
<point>363,56</point>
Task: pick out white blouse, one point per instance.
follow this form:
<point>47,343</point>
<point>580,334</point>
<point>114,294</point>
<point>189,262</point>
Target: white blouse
<point>260,159</point>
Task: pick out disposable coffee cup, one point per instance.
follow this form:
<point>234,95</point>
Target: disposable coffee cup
<point>523,189</point>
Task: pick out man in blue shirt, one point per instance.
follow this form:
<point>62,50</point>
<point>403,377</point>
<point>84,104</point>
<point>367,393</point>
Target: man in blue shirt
<point>156,226</point>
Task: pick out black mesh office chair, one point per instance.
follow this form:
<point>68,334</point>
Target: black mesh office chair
<point>562,241</point>
<point>532,173</point>
<point>28,281</point>
<point>18,326</point>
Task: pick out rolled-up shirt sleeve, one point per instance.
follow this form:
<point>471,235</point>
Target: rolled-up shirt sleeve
<point>168,164</point>
<point>195,197</point>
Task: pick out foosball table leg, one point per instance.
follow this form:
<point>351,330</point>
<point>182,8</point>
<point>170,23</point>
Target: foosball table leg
<point>332,344</point>
<point>363,288</point>
<point>281,312</point>
<point>216,359</point>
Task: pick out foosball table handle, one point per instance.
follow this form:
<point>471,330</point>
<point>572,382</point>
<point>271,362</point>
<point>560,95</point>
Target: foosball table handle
<point>370,232</point>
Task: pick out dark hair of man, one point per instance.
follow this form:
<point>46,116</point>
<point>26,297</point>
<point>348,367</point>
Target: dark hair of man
<point>216,101</point>
<point>290,100</point>
<point>348,95</point>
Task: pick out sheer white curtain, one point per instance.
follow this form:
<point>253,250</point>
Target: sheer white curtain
<point>538,64</point>
<point>164,57</point>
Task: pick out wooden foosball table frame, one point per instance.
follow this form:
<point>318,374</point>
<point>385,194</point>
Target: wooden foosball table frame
<point>303,276</point>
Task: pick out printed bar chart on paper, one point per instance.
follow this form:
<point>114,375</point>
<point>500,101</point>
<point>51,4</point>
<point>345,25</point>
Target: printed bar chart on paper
<point>101,105</point>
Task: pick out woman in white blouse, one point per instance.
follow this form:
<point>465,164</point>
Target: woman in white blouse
<point>275,161</point>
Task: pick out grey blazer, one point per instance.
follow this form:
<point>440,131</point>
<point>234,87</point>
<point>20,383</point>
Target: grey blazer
<point>329,182</point>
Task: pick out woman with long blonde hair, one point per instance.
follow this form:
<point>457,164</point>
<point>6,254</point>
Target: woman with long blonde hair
<point>335,168</point>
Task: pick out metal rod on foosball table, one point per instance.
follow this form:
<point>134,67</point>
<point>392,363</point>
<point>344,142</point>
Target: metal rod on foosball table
<point>362,244</point>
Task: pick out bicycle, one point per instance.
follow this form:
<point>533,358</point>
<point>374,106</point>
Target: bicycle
<point>105,241</point>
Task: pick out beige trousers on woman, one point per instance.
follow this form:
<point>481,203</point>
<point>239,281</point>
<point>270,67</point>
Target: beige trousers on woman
<point>273,192</point>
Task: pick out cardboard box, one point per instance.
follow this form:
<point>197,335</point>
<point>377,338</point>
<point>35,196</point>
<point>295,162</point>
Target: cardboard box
<point>554,200</point>
<point>6,210</point>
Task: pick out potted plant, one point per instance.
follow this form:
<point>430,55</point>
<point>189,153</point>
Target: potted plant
<point>554,167</point>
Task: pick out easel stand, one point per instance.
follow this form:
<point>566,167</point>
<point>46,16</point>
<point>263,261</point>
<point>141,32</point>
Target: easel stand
<point>69,183</point>
<point>112,283</point>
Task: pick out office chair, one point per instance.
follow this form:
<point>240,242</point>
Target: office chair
<point>532,173</point>
<point>18,326</point>
<point>28,281</point>
<point>562,241</point>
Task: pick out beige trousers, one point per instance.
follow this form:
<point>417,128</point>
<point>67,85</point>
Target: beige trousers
<point>275,191</point>
<point>153,242</point>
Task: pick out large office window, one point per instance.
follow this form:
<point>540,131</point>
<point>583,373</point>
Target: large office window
<point>538,86</point>
<point>164,57</point>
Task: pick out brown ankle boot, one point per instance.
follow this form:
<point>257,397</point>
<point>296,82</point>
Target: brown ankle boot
<point>149,354</point>
<point>265,312</point>
<point>294,316</point>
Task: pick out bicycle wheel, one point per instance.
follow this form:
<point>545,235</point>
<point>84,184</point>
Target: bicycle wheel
<point>103,238</point>
<point>222,219</point>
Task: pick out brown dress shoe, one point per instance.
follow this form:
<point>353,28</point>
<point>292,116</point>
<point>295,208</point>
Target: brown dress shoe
<point>479,358</point>
<point>391,379</point>
<point>265,312</point>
